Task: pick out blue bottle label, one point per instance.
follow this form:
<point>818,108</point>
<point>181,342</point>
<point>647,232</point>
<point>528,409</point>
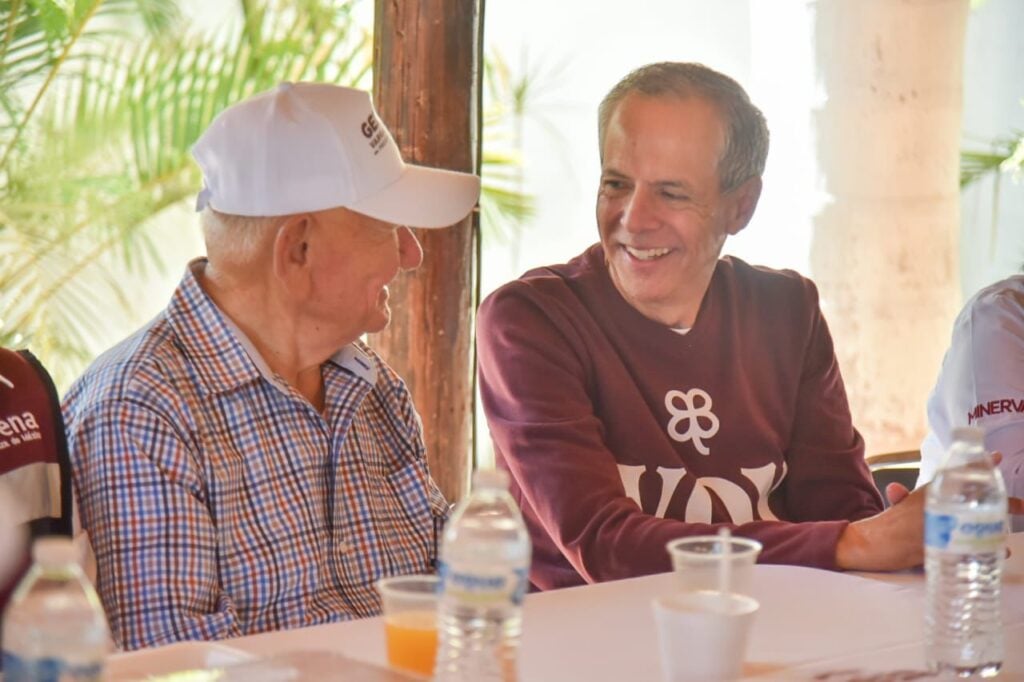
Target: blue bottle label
<point>483,588</point>
<point>964,534</point>
<point>18,669</point>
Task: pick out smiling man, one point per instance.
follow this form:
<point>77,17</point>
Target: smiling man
<point>650,389</point>
<point>244,462</point>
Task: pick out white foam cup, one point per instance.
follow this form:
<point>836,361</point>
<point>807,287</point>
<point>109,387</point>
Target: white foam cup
<point>703,635</point>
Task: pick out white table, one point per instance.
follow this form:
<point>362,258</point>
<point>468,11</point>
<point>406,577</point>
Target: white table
<point>812,625</point>
<point>810,622</point>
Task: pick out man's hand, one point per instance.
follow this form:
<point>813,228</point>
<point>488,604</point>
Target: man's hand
<point>896,492</point>
<point>889,541</point>
<point>894,539</point>
<point>1015,504</point>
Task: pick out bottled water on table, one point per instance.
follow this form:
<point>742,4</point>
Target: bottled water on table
<point>485,558</point>
<point>54,627</point>
<point>965,540</point>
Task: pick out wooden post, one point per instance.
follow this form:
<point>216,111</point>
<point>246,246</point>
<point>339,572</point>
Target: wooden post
<point>426,72</point>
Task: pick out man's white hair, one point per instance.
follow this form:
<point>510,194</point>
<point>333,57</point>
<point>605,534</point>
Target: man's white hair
<point>236,238</point>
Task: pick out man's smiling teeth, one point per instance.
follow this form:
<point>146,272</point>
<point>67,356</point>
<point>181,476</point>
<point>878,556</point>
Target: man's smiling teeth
<point>646,254</point>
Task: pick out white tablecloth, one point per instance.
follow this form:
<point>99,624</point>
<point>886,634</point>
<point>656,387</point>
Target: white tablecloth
<point>811,625</point>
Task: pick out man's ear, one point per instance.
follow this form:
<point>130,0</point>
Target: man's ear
<point>742,202</point>
<point>291,253</point>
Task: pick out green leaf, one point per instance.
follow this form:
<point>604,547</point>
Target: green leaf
<point>1015,161</point>
<point>54,19</point>
<point>1005,156</point>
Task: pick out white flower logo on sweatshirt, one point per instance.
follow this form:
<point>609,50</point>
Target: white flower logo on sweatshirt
<point>692,412</point>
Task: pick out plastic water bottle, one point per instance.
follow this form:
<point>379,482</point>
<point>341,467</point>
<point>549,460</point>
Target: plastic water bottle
<point>965,540</point>
<point>54,627</point>
<point>485,559</point>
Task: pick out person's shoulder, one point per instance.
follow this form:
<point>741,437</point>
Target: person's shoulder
<point>140,369</point>
<point>1002,301</point>
<point>548,285</point>
<point>1012,285</point>
<point>759,282</point>
<point>977,383</point>
<point>992,320</point>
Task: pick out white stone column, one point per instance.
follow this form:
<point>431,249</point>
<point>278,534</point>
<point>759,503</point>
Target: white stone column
<point>884,247</point>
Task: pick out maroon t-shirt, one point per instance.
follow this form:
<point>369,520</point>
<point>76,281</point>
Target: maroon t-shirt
<point>621,434</point>
<point>31,435</point>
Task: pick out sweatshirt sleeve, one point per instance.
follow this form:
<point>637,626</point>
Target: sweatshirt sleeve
<point>536,395</point>
<point>828,477</point>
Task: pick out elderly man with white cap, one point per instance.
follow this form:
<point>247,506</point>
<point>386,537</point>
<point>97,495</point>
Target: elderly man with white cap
<point>244,462</point>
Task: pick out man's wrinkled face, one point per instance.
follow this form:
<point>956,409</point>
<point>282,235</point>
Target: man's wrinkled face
<point>660,213</point>
<point>357,257</point>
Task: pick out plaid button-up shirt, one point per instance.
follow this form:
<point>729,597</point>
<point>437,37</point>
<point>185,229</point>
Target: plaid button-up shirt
<point>219,502</point>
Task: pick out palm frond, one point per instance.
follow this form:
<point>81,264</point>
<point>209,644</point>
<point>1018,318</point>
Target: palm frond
<point>1006,155</point>
<point>39,36</point>
<point>157,17</point>
<point>505,207</point>
<point>1015,161</point>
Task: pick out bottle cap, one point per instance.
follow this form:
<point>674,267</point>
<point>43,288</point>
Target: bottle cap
<point>969,434</point>
<point>493,479</point>
<point>53,551</point>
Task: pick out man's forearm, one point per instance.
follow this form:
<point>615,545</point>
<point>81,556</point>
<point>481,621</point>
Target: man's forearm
<point>888,541</point>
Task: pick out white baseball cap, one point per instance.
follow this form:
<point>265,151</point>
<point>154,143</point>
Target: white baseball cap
<point>313,146</point>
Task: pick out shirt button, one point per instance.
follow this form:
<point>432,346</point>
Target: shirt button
<point>343,548</point>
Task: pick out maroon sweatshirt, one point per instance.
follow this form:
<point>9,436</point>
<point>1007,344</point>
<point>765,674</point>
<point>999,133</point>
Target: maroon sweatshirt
<point>621,434</point>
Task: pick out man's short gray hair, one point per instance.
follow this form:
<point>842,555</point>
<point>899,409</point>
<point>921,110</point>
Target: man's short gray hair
<point>234,237</point>
<point>746,136</point>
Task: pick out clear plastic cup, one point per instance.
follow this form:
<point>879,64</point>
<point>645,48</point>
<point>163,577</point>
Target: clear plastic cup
<point>697,562</point>
<point>410,621</point>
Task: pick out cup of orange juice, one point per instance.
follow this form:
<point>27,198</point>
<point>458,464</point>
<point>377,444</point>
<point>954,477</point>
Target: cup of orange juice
<point>410,621</point>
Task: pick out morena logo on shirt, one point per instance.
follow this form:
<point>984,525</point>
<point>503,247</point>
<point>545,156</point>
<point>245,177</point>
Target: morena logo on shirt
<point>16,429</point>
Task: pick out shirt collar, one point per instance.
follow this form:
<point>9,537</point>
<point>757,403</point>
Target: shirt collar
<point>222,354</point>
<point>356,360</point>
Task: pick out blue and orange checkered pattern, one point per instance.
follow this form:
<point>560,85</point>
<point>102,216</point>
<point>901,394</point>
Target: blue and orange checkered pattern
<point>219,502</point>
